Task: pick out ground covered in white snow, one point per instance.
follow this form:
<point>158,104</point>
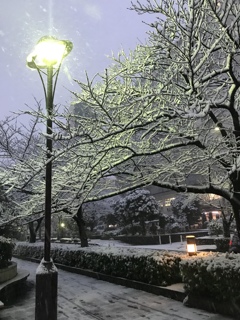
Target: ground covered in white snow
<point>175,246</point>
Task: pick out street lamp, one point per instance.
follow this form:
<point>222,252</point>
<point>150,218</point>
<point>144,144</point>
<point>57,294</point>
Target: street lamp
<point>48,55</point>
<point>61,230</point>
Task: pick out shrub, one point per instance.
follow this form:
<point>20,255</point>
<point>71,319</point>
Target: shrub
<point>214,276</point>
<point>131,230</point>
<point>222,244</point>
<point>215,227</point>
<point>6,248</point>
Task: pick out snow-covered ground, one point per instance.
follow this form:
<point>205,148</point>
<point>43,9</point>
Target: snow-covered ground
<point>175,246</point>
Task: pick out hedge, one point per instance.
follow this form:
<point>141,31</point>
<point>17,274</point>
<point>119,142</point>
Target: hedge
<point>153,267</point>
<point>215,276</point>
<point>6,248</point>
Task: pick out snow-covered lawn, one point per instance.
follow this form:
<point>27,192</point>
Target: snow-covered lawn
<point>175,246</point>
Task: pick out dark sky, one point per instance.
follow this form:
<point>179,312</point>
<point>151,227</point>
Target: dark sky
<point>96,28</point>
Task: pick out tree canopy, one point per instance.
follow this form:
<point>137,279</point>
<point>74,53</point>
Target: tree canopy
<point>165,114</point>
<point>136,207</point>
<point>168,113</point>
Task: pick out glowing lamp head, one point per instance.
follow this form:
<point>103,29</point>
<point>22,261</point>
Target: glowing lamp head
<point>191,245</point>
<point>62,224</point>
<point>49,52</point>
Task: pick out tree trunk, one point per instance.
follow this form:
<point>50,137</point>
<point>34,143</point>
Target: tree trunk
<point>32,231</point>
<point>143,227</point>
<point>235,201</point>
<point>236,209</point>
<point>81,227</point>
<point>32,237</point>
<point>226,228</point>
<point>210,216</point>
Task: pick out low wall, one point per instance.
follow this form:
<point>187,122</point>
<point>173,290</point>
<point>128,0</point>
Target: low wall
<point>205,241</point>
<point>8,272</point>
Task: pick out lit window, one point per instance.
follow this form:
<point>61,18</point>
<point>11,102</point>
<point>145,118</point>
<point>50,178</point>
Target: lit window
<point>168,202</point>
<point>213,196</point>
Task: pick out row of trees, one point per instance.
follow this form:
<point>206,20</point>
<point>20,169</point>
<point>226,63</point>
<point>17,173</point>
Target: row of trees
<point>138,209</point>
<point>164,113</point>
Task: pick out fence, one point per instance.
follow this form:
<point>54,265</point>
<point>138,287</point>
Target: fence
<point>160,239</point>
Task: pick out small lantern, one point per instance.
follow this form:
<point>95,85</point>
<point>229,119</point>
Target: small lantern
<point>191,245</point>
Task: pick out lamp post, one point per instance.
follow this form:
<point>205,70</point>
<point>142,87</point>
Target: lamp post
<point>48,55</point>
<point>61,227</point>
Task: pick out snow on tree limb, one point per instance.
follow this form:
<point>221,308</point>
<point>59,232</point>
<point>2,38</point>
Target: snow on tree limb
<point>165,112</point>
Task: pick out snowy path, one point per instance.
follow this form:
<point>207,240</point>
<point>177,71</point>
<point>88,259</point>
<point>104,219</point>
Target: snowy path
<point>84,298</point>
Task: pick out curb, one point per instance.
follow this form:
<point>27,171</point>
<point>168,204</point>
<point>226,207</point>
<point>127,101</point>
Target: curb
<point>230,308</point>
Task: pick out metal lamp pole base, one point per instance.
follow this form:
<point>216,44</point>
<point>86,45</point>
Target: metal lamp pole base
<point>46,291</point>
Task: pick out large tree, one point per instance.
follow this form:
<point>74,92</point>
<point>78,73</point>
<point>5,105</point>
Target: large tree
<point>169,111</point>
<point>23,161</point>
<point>164,114</point>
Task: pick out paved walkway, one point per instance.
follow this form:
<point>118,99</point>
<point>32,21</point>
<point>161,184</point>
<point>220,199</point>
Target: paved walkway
<point>84,298</point>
